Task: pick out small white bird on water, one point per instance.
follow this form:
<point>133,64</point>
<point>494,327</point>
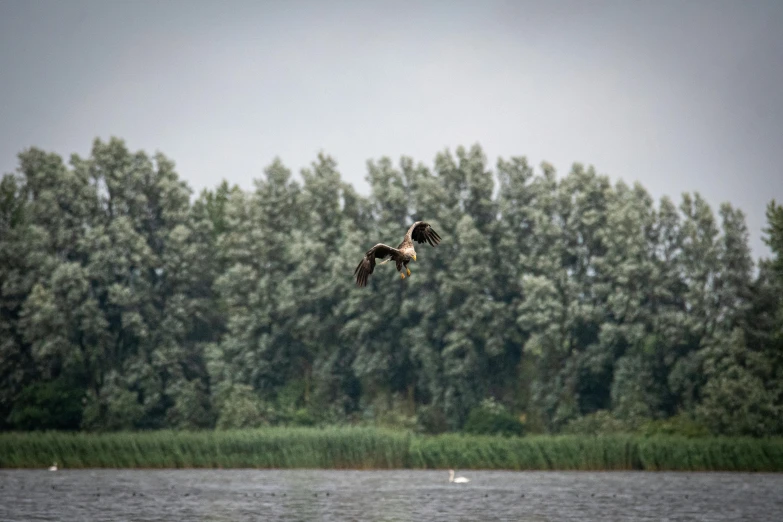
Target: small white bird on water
<point>53,467</point>
<point>458,480</point>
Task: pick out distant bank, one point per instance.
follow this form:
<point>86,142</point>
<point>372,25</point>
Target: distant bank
<point>374,448</point>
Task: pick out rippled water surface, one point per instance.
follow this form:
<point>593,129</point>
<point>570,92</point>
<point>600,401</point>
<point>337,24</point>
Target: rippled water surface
<point>238,495</point>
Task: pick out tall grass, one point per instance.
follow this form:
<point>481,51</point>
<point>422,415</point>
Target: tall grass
<point>373,448</point>
<point>517,453</point>
<point>355,448</point>
<point>706,454</point>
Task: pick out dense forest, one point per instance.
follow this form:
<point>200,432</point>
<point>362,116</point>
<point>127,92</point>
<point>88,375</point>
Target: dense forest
<point>554,304</point>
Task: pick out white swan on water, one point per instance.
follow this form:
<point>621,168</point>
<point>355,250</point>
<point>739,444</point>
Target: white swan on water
<point>53,467</point>
<point>458,480</point>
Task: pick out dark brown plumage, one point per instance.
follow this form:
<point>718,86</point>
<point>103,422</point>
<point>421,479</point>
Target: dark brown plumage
<point>420,232</point>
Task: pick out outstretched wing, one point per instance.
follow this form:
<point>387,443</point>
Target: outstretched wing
<point>421,231</point>
<point>367,265</point>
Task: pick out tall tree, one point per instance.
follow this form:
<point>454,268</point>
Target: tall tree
<point>125,305</point>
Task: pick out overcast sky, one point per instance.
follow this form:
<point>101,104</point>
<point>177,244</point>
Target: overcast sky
<point>681,96</point>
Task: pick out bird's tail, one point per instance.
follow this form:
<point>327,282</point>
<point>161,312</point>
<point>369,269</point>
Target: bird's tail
<point>385,261</point>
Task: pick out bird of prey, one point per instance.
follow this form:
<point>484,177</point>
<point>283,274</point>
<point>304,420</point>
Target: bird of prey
<point>420,232</point>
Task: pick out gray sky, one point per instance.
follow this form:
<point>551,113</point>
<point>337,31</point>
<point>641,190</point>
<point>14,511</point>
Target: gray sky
<point>681,96</point>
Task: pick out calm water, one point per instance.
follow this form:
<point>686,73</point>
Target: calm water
<point>238,495</point>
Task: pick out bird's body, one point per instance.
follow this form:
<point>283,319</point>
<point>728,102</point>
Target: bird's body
<point>53,467</point>
<point>402,255</point>
<point>458,480</point>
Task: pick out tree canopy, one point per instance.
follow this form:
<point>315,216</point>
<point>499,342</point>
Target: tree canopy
<point>553,303</point>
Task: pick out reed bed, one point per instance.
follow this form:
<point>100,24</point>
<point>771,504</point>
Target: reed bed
<point>708,454</point>
<point>352,448</point>
<point>374,448</point>
<point>525,453</point>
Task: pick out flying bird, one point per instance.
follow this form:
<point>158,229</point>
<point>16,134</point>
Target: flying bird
<point>420,232</point>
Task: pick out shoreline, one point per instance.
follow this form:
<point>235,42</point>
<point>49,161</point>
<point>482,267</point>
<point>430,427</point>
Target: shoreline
<point>362,448</point>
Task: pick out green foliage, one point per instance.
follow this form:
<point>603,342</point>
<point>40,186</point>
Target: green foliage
<point>774,235</point>
<point>580,304</point>
<point>374,448</point>
<point>710,454</point>
<point>340,448</point>
<point>191,408</point>
<point>491,418</point>
<point>117,408</point>
<point>737,400</point>
<point>432,420</point>
<point>678,425</point>
<point>48,405</point>
<point>601,422</point>
<point>242,408</point>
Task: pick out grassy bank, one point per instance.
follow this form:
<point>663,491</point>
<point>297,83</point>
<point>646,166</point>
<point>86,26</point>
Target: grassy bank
<point>369,448</point>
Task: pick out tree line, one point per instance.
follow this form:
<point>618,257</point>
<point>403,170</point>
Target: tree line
<point>554,303</point>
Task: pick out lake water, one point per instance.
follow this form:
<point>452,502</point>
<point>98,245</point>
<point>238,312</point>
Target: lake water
<point>239,495</point>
